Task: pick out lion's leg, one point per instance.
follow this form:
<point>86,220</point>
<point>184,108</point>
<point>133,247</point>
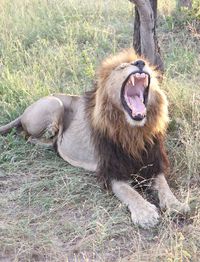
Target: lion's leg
<point>43,118</point>
<point>143,213</point>
<point>167,199</point>
<point>47,143</point>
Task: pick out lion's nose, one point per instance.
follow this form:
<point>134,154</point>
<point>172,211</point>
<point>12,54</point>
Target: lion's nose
<point>139,63</point>
<point>138,117</point>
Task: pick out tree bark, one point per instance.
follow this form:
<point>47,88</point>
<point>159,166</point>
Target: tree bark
<point>136,33</point>
<point>144,40</point>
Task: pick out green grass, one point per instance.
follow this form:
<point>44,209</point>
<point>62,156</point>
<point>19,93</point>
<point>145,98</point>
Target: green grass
<point>51,211</point>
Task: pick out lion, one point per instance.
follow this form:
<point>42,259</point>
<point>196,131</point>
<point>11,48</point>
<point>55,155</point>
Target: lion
<point>116,130</point>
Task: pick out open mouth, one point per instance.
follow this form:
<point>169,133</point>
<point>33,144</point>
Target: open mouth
<point>134,95</point>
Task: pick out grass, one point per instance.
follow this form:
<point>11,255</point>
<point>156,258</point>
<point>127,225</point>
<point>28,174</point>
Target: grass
<point>51,211</point>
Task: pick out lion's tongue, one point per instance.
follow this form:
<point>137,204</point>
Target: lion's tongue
<point>137,106</point>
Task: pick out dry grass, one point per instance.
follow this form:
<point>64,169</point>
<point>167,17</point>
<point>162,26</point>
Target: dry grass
<point>51,211</point>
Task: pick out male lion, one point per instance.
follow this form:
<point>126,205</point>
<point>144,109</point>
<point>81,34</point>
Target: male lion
<point>116,129</point>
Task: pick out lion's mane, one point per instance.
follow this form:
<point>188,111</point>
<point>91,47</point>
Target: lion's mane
<point>114,137</point>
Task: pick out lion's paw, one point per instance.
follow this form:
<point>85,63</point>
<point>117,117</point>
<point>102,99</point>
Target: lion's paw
<point>51,131</point>
<point>145,216</point>
<point>177,207</point>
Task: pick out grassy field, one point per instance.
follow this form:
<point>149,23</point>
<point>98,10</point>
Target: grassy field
<point>51,211</point>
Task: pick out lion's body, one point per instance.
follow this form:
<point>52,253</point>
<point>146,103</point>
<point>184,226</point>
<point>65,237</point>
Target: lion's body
<point>62,116</point>
<point>75,143</point>
<point>94,131</point>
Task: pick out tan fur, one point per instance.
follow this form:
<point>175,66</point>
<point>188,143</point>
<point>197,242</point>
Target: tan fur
<point>166,197</point>
<point>143,213</point>
<point>107,114</point>
<point>109,118</point>
<point>68,119</point>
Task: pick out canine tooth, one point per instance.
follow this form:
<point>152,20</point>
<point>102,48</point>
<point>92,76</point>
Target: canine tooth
<point>146,81</point>
<point>143,75</point>
<point>132,80</point>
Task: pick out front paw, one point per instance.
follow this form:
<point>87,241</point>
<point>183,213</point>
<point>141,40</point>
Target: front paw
<point>177,207</point>
<point>145,215</point>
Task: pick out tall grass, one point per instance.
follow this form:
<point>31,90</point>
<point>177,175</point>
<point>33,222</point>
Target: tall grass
<point>51,211</point>
<point>52,46</point>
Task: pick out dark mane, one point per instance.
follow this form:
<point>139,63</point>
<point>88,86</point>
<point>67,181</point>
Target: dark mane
<point>116,163</point>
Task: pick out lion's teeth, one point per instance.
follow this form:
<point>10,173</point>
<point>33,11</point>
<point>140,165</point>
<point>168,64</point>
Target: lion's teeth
<point>137,75</point>
<point>146,81</point>
<point>132,80</point>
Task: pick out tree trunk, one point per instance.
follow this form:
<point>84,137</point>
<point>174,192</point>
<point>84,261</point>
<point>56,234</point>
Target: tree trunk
<point>144,39</point>
<point>136,33</point>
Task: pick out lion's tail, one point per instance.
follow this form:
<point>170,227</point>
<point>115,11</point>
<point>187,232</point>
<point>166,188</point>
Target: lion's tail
<point>15,123</point>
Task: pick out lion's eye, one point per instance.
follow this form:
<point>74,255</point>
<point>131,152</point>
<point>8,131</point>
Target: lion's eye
<point>122,66</point>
